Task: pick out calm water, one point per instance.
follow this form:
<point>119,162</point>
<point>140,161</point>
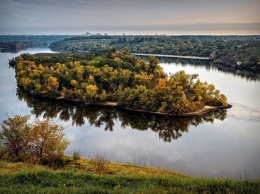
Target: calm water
<point>220,144</point>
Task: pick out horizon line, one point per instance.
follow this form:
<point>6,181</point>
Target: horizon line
<point>125,34</point>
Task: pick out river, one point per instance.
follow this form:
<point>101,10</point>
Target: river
<point>220,144</point>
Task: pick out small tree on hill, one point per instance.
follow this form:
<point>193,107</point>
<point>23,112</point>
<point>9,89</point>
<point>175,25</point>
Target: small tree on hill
<point>42,141</point>
<point>14,136</point>
<point>48,141</point>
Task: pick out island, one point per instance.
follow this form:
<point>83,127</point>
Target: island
<point>116,78</point>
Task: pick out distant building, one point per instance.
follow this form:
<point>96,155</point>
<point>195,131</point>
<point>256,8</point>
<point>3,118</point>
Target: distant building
<point>86,34</point>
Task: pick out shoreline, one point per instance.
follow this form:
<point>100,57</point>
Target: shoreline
<point>200,112</point>
<point>172,56</point>
<point>234,67</point>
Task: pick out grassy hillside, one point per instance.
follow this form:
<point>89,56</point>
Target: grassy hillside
<point>99,176</point>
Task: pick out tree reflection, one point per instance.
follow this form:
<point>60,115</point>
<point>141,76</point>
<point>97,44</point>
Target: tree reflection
<point>168,128</point>
<point>209,66</point>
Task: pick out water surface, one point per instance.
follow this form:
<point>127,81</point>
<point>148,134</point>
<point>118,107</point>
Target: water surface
<point>219,144</point>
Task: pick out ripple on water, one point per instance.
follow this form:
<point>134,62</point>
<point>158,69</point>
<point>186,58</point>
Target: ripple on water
<point>241,112</point>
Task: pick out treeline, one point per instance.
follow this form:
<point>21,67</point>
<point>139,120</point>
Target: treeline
<point>232,50</point>
<point>115,76</point>
<point>16,43</point>
<point>175,45</point>
<point>33,38</point>
<point>83,43</point>
<point>12,46</point>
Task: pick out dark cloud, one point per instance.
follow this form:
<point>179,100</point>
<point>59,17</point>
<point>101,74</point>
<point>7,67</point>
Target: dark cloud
<point>135,16</point>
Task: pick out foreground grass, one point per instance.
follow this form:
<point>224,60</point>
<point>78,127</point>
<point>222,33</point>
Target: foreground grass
<point>94,176</point>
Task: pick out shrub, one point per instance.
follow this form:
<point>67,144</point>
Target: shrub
<point>100,163</point>
<point>76,156</point>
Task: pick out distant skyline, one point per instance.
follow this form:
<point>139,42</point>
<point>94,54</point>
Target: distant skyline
<point>171,17</point>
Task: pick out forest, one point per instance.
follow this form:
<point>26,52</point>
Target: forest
<point>16,43</point>
<point>241,52</point>
<point>12,47</point>
<point>117,77</point>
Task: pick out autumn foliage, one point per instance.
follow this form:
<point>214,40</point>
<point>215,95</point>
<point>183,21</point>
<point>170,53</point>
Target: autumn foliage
<point>115,76</point>
<point>37,142</point>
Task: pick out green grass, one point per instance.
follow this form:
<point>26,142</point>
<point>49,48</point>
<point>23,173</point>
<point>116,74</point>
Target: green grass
<point>82,176</point>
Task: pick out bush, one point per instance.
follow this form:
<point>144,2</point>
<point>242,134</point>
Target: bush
<point>100,163</point>
<point>76,156</point>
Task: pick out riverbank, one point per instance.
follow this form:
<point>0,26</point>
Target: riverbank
<point>172,56</point>
<point>200,112</point>
<point>100,176</point>
<point>228,64</point>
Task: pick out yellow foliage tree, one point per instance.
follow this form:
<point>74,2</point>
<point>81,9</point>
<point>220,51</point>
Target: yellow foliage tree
<point>48,140</point>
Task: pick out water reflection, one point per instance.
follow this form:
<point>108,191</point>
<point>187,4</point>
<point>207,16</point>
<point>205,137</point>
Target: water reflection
<point>209,66</point>
<point>168,128</point>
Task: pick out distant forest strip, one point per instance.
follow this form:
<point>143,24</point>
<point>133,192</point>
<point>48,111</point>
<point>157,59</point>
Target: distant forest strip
<point>115,76</point>
<point>12,46</point>
<point>232,51</point>
<point>16,43</point>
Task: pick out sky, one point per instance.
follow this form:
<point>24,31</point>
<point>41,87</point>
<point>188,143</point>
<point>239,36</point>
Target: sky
<point>171,17</point>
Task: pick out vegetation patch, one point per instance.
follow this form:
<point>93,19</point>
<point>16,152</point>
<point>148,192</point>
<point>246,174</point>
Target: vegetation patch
<point>80,177</point>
